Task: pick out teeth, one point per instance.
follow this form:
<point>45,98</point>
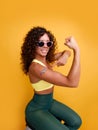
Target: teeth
<point>44,51</point>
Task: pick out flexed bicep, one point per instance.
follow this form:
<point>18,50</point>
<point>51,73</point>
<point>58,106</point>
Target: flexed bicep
<point>56,78</point>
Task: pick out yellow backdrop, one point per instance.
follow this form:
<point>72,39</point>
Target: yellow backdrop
<point>63,18</point>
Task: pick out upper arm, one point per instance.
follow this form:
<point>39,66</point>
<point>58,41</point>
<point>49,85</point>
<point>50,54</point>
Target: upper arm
<point>49,75</point>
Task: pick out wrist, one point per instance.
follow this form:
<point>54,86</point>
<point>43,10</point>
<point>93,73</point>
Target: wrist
<point>76,49</point>
<point>76,52</point>
<point>67,53</point>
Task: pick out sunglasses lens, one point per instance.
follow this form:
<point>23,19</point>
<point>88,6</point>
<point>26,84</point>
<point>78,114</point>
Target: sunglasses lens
<point>49,44</point>
<point>40,44</point>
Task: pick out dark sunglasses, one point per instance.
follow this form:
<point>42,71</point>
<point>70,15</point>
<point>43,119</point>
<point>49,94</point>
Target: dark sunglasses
<point>41,44</point>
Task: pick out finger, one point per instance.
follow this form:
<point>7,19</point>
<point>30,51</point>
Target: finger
<point>67,43</point>
<point>67,40</point>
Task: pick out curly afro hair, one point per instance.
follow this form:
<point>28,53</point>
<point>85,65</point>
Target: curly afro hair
<point>29,47</point>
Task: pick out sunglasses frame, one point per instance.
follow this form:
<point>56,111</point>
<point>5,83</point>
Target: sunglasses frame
<point>41,43</point>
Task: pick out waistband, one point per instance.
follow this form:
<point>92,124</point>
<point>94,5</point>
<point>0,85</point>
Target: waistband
<point>43,98</point>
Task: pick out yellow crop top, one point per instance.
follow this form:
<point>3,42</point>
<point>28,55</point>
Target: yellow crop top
<point>41,85</point>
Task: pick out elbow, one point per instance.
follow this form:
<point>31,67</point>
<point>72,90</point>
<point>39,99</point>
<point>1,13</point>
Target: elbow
<point>73,84</point>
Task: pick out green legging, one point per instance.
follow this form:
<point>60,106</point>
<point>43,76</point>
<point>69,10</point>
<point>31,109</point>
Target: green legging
<point>45,113</point>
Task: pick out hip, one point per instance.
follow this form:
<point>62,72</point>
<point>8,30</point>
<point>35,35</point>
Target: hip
<point>39,102</point>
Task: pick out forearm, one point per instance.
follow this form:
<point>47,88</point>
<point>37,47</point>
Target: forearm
<point>63,53</point>
<point>74,73</point>
<point>58,55</point>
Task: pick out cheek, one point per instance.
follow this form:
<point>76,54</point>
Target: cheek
<point>37,49</point>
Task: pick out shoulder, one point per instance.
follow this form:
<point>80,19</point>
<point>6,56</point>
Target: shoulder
<point>36,68</point>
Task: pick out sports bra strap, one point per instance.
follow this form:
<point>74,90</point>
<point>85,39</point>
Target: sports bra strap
<point>37,61</point>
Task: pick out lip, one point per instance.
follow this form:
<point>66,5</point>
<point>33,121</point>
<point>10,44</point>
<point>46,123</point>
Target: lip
<point>45,51</point>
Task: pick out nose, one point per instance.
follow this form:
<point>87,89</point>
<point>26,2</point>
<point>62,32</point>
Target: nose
<point>45,44</point>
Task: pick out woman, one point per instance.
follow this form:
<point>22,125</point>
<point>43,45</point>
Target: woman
<point>43,112</point>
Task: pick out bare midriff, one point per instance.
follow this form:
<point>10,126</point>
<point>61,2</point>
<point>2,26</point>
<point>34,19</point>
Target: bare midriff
<point>47,91</point>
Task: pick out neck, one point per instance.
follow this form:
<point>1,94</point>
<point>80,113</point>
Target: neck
<point>43,59</point>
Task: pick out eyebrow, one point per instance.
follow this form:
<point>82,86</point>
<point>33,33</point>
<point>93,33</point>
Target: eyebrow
<point>44,40</point>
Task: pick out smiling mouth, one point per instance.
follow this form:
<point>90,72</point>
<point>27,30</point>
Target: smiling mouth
<point>44,51</point>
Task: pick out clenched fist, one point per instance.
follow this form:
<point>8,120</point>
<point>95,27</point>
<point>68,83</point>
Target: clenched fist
<point>71,43</point>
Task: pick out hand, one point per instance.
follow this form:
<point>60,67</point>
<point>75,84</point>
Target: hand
<point>71,43</point>
<point>63,58</point>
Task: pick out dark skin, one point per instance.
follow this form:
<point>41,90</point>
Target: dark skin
<point>60,60</point>
<point>70,80</point>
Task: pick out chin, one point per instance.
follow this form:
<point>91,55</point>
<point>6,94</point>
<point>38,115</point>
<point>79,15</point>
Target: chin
<point>44,54</point>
